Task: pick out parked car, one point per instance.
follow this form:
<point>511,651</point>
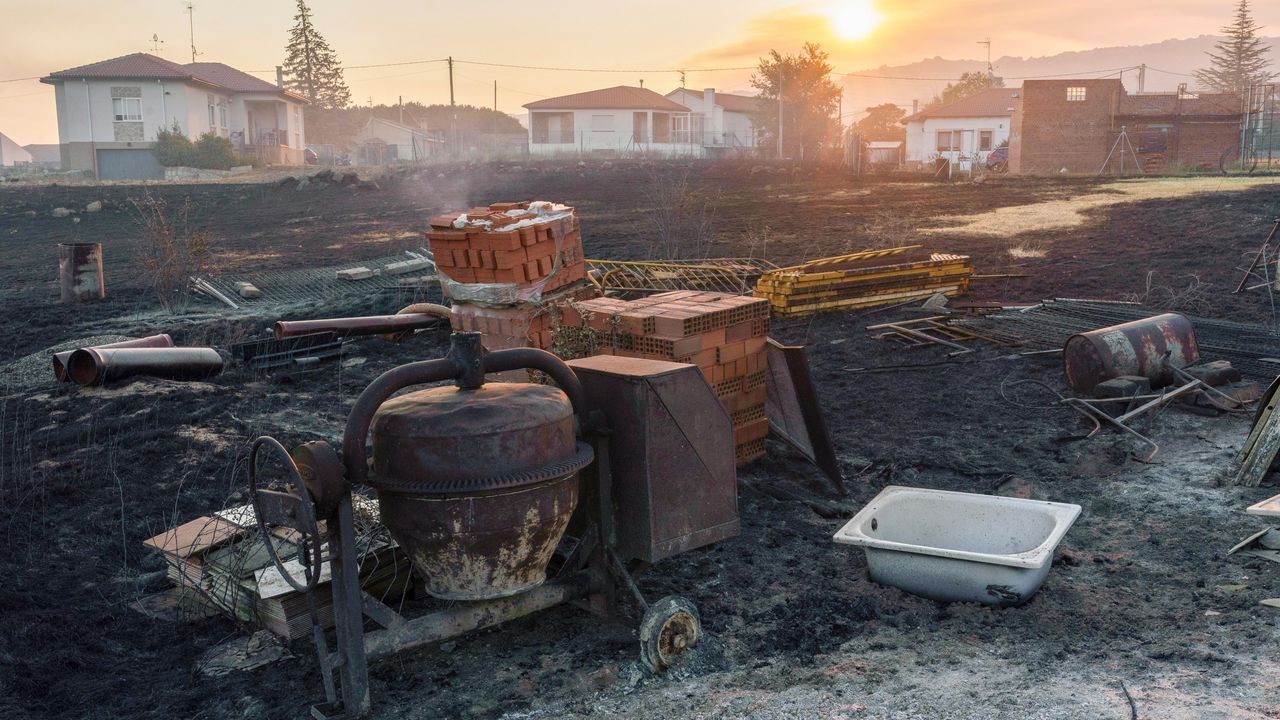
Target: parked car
<point>310,156</point>
<point>998,160</point>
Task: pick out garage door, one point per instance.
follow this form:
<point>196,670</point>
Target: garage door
<point>129,165</point>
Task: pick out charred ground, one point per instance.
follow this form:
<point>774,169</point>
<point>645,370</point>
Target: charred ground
<point>1142,592</point>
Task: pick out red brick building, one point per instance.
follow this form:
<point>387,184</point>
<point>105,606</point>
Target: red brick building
<point>1074,124</point>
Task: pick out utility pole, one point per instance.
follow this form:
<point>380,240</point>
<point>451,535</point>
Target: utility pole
<point>453,113</point>
<point>400,101</point>
<point>990,70</point>
<point>495,110</point>
<point>191,25</point>
<point>779,111</point>
<point>1142,77</point>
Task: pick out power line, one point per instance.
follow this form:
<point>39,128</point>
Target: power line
<point>1170,72</point>
<point>600,70</point>
<point>37,77</point>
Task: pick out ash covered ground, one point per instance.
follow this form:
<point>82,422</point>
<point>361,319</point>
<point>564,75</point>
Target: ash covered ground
<point>1142,595</point>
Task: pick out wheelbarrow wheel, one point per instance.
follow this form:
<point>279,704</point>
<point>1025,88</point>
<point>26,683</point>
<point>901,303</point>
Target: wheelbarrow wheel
<point>670,626</point>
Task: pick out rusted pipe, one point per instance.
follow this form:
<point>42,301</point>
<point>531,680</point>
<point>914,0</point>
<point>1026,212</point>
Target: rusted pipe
<point>457,366</point>
<point>97,366</point>
<point>61,359</point>
<point>80,272</point>
<point>370,325</point>
<point>1133,348</point>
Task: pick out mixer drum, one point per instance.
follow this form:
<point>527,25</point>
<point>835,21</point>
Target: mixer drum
<point>477,485</point>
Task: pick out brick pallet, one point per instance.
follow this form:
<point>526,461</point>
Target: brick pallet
<point>509,243</point>
<point>519,245</point>
<point>829,284</point>
<point>724,335</point>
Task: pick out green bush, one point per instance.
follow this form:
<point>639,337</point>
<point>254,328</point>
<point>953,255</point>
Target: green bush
<point>209,151</point>
<point>214,152</point>
<point>173,148</point>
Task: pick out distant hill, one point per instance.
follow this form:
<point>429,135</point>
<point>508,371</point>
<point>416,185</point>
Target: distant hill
<point>1168,63</point>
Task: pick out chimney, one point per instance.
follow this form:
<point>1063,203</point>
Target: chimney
<point>279,76</point>
<point>709,100</point>
<point>915,106</point>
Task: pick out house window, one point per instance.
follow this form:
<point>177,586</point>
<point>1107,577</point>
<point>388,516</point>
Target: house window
<point>126,109</point>
<point>222,114</point>
<point>213,123</point>
<point>1076,94</point>
<point>985,138</point>
<point>949,140</point>
<point>602,123</point>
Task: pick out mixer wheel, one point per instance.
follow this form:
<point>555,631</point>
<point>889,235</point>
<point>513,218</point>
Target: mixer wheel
<point>670,626</point>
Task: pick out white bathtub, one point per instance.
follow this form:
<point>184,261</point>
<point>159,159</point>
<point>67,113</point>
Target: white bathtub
<point>959,547</point>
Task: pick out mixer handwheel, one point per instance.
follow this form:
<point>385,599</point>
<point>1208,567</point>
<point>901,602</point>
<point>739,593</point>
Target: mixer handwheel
<point>300,508</point>
<point>670,626</point>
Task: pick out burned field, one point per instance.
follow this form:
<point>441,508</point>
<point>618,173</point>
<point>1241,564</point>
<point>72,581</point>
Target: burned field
<point>1142,604</point>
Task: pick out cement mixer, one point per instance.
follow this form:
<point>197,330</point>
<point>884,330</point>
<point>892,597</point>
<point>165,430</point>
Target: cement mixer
<point>508,498</point>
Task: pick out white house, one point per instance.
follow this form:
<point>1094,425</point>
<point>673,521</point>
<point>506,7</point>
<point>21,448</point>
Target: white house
<point>962,132</point>
<point>726,120</point>
<point>11,153</point>
<point>385,141</point>
<point>109,113</point>
<point>616,120</point>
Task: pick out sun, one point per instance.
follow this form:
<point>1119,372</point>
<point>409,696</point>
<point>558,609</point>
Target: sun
<point>854,19</point>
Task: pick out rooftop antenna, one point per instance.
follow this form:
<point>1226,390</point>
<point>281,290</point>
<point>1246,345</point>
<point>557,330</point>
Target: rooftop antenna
<point>681,79</point>
<point>641,82</point>
<point>191,25</point>
<point>990,71</point>
<point>156,43</point>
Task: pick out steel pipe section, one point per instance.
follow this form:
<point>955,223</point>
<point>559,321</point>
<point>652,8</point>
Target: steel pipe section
<point>61,359</point>
<point>98,366</point>
<point>1141,347</point>
<point>369,325</point>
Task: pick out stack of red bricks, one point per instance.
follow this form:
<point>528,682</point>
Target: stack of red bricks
<point>510,243</point>
<point>533,248</point>
<point>524,324</point>
<point>724,335</point>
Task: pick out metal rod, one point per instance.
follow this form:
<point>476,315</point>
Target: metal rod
<point>368,325</point>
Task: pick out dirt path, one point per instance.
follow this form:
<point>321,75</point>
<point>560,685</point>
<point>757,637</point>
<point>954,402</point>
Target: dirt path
<point>1014,220</point>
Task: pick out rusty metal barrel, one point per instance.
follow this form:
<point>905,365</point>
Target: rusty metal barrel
<point>80,272</point>
<point>61,359</point>
<point>1139,347</point>
<point>97,366</point>
<point>477,485</point>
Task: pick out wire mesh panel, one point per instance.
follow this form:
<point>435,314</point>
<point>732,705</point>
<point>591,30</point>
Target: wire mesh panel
<point>403,273</point>
<point>727,275</point>
<point>1253,349</point>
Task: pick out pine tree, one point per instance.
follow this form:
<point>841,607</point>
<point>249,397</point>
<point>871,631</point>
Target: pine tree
<point>311,66</point>
<point>1241,58</point>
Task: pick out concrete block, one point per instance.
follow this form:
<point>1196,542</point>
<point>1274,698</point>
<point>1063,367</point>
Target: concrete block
<point>1123,386</point>
<point>406,266</point>
<point>358,273</point>
<point>248,290</point>
<point>1218,372</point>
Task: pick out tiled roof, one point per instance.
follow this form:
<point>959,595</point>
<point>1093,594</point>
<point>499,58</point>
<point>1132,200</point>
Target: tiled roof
<point>144,66</point>
<point>230,78</point>
<point>137,65</point>
<point>622,97</point>
<point>732,103</point>
<point>992,102</point>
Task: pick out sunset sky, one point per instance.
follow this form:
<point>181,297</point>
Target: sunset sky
<point>644,38</point>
